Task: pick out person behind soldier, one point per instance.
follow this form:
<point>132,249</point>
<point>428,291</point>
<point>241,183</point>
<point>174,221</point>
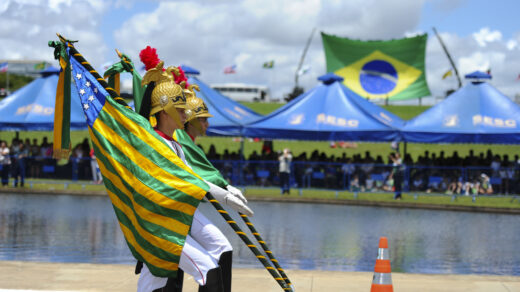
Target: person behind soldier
<point>166,101</point>
<point>197,114</point>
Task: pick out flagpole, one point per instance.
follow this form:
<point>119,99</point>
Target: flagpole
<point>449,56</point>
<point>7,81</point>
<point>248,242</point>
<point>296,75</point>
<point>265,248</point>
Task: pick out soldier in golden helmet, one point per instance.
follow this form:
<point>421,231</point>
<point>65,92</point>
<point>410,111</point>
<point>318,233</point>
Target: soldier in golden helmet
<point>205,244</point>
<point>163,94</point>
<point>197,114</point>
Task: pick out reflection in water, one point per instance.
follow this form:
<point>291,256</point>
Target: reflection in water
<point>302,236</point>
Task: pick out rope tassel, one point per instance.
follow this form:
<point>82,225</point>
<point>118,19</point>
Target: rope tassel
<point>248,242</point>
<point>265,248</point>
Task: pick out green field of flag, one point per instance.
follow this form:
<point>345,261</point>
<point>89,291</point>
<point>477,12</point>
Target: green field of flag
<point>391,69</point>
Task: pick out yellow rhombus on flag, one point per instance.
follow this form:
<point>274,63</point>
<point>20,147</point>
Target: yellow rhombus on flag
<point>406,75</point>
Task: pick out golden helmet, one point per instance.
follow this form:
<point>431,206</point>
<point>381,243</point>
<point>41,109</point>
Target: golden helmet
<point>166,94</point>
<point>195,107</point>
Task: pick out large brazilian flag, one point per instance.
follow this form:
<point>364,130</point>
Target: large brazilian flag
<point>153,193</point>
<point>379,69</point>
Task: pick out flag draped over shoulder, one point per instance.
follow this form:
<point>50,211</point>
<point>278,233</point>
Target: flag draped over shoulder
<point>154,194</point>
<point>113,74</point>
<point>379,69</point>
<point>195,157</point>
<point>198,161</point>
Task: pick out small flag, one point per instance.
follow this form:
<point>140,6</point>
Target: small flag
<point>447,74</point>
<point>40,66</point>
<point>3,67</point>
<point>269,64</point>
<point>304,70</point>
<point>230,69</point>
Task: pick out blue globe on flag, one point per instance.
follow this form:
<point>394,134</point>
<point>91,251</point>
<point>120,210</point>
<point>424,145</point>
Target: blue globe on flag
<point>378,77</point>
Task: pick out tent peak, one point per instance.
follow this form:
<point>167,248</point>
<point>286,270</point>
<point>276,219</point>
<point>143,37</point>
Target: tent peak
<point>477,77</point>
<point>50,71</point>
<point>330,78</point>
<point>190,70</point>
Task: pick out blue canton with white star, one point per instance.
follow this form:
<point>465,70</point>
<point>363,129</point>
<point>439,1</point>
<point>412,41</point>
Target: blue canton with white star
<point>91,93</point>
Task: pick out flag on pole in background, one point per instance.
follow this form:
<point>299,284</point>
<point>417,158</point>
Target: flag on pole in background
<point>230,69</point>
<point>4,66</point>
<point>447,74</point>
<point>153,193</point>
<point>40,66</point>
<point>379,69</point>
<point>304,70</point>
<point>269,64</point>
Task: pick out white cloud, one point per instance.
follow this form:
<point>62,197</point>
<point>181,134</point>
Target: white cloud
<point>27,26</point>
<point>210,35</point>
<point>511,44</point>
<point>469,56</point>
<point>485,35</point>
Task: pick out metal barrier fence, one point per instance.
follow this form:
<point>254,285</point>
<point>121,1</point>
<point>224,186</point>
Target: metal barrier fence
<point>326,175</point>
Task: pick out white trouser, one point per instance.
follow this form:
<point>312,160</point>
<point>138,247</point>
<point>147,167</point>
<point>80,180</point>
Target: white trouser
<point>200,253</point>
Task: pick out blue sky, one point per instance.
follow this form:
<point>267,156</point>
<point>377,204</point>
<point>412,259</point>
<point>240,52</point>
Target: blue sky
<point>210,35</point>
<point>467,16</point>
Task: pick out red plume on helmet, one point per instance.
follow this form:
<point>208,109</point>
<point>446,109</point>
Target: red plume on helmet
<point>149,57</point>
<point>181,77</point>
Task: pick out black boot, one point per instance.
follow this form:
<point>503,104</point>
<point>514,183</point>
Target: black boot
<point>213,281</point>
<point>174,284</point>
<point>225,262</point>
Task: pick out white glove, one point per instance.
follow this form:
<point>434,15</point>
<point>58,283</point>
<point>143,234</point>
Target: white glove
<point>237,193</point>
<point>229,199</point>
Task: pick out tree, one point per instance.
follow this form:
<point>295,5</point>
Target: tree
<point>297,90</point>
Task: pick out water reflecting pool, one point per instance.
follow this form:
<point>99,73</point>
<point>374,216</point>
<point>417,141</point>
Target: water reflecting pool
<point>62,228</point>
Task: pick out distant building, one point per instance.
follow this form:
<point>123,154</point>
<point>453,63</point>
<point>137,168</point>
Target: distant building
<point>243,92</point>
<point>26,67</point>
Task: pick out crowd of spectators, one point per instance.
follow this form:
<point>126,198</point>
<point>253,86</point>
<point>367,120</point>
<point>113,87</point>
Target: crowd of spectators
<point>28,158</point>
<point>485,173</point>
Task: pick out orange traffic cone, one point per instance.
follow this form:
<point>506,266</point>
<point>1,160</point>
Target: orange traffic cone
<point>382,281</point>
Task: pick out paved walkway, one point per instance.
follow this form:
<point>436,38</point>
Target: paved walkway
<point>33,276</point>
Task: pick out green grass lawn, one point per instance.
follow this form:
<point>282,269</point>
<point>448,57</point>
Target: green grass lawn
<point>297,147</point>
<point>436,199</point>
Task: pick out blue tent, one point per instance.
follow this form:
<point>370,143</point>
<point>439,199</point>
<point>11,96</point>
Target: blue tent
<point>189,70</point>
<point>477,75</point>
<point>476,113</point>
<point>329,111</point>
<point>229,116</point>
<point>32,106</point>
